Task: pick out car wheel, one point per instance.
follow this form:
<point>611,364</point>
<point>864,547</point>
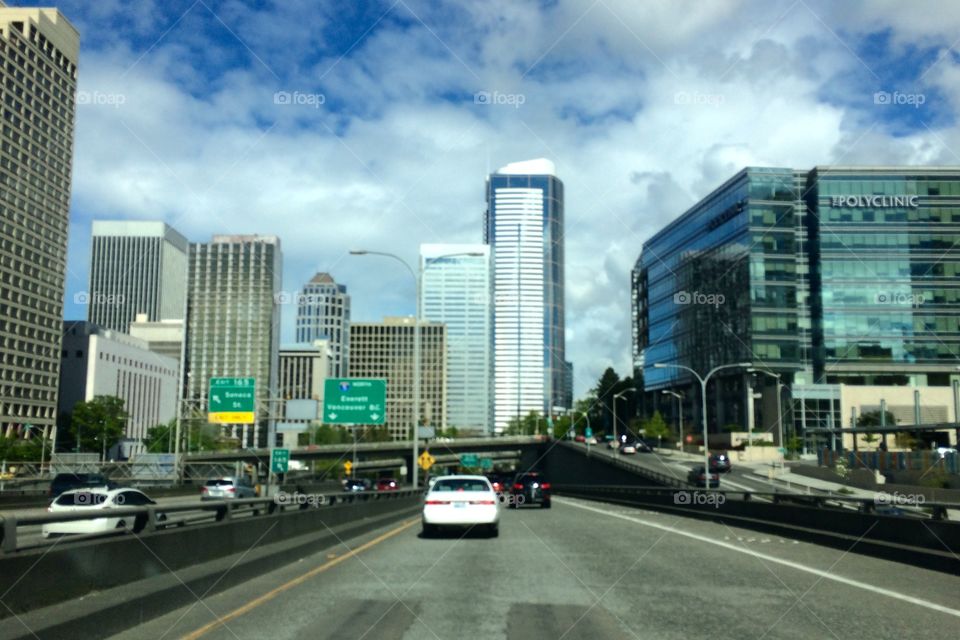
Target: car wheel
<point>429,530</point>
<point>545,504</point>
<point>494,531</point>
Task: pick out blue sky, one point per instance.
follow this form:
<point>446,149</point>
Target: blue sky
<point>644,107</point>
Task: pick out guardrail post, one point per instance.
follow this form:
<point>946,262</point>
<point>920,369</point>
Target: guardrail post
<point>9,533</point>
<point>151,525</point>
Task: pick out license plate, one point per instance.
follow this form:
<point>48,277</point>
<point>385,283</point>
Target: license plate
<point>459,505</point>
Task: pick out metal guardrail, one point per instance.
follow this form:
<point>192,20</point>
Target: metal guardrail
<point>147,520</point>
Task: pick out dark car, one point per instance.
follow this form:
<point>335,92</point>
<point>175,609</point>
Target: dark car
<point>698,478</point>
<point>530,488</point>
<point>388,484</point>
<point>643,446</point>
<point>354,485</point>
<point>720,462</point>
<point>68,481</point>
<point>499,483</point>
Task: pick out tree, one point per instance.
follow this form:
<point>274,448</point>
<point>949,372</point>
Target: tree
<point>159,438</point>
<point>100,423</point>
<point>905,440</point>
<point>655,427</point>
<point>20,449</point>
<point>872,419</point>
<point>530,424</point>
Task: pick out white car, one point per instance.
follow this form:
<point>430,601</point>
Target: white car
<point>95,500</point>
<point>461,501</point>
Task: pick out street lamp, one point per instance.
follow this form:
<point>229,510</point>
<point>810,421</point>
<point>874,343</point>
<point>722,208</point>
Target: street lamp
<point>417,278</point>
<point>679,397</point>
<point>618,395</point>
<point>703,398</point>
<point>780,385</point>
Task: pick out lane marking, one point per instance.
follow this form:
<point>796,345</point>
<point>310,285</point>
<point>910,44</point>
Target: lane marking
<point>787,563</point>
<point>273,593</point>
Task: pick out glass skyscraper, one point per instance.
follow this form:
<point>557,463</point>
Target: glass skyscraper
<point>834,275</point>
<point>323,313</point>
<point>456,291</point>
<point>524,226</point>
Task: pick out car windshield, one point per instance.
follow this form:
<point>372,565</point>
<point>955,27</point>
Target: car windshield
<point>461,484</point>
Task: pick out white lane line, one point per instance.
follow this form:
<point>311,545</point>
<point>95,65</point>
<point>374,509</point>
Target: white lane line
<point>787,563</point>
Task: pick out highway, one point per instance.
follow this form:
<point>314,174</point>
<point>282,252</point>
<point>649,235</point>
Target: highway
<point>579,570</point>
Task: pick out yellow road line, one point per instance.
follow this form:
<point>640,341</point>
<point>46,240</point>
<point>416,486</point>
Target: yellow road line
<point>270,595</point>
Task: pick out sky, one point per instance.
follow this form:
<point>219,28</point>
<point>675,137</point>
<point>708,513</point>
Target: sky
<point>373,124</point>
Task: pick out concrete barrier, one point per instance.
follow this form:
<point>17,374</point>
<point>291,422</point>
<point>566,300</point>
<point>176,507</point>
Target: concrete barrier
<point>42,577</point>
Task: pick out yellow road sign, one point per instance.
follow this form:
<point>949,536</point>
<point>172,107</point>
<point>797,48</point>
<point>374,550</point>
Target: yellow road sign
<point>348,467</point>
<point>426,460</point>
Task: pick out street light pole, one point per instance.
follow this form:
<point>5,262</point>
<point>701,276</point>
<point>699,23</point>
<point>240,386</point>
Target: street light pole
<point>679,397</point>
<point>618,395</point>
<point>703,399</point>
<point>780,442</point>
<point>417,277</point>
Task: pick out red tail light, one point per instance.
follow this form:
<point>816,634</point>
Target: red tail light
<point>203,489</point>
<point>231,489</point>
<point>518,486</point>
<point>545,485</point>
<point>437,502</point>
<point>484,502</point>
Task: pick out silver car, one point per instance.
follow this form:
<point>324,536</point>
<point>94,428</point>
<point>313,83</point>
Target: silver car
<point>228,487</point>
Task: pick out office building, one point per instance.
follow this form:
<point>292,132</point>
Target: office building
<point>303,370</point>
<point>164,337</point>
<point>833,276</point>
<point>384,350</point>
<point>323,313</point>
<point>233,323</point>
<point>38,73</point>
<point>136,266</point>
<point>523,224</point>
<point>102,362</point>
<point>456,291</point>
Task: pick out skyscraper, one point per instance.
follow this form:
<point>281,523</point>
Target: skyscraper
<point>39,50</point>
<point>524,226</point>
<point>385,350</point>
<point>233,321</point>
<point>323,313</point>
<point>456,291</point>
<point>136,266</point>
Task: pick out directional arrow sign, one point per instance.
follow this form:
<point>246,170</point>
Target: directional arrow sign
<point>354,400</point>
<point>469,460</point>
<point>280,460</point>
<point>231,401</point>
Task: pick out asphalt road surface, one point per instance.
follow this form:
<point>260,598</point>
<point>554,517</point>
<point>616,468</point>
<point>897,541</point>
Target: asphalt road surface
<point>581,570</point>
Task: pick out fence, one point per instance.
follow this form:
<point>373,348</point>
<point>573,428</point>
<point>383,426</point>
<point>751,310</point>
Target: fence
<point>921,461</point>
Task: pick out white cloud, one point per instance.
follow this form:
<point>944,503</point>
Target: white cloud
<point>411,151</point>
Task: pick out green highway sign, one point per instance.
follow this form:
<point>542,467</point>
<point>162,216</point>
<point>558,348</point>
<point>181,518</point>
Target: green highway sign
<point>354,401</point>
<point>279,460</point>
<point>231,401</point>
<point>588,432</point>
<point>469,460</point>
<point>486,464</point>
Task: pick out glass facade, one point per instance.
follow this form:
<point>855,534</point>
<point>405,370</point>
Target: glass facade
<point>456,291</point>
<point>524,226</point>
<point>323,313</point>
<point>834,275</point>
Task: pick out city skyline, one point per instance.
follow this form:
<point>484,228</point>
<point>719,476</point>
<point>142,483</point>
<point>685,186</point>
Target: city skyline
<point>362,149</point>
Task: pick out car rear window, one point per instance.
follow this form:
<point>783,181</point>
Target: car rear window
<point>461,485</point>
<point>220,483</point>
<point>81,499</point>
